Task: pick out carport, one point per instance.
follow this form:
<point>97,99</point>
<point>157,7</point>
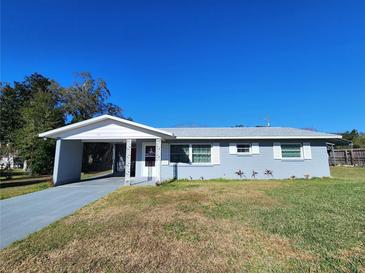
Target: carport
<point>123,134</point>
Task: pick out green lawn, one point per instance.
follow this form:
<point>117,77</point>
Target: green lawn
<point>315,225</point>
<point>9,192</point>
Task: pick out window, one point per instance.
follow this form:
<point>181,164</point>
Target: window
<point>150,156</point>
<point>291,151</point>
<point>179,154</point>
<point>243,148</point>
<point>201,153</point>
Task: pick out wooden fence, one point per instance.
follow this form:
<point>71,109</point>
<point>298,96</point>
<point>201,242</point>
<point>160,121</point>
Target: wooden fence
<point>355,157</point>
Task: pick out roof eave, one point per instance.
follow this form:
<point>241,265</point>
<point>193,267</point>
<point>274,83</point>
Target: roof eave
<point>53,133</point>
<point>257,137</point>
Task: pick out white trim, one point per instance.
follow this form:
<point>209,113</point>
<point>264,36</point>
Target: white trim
<point>98,119</point>
<point>215,154</point>
<point>192,165</point>
<point>276,147</point>
<point>93,140</point>
<point>190,154</point>
<point>255,148</point>
<point>292,159</point>
<point>307,151</point>
<point>179,164</point>
<point>232,148</point>
<point>158,154</point>
<point>257,137</point>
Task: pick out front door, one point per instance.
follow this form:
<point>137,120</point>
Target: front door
<point>149,160</point>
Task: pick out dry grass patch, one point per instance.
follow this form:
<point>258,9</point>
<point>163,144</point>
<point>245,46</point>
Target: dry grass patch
<point>167,242</point>
<point>228,226</point>
<point>115,234</point>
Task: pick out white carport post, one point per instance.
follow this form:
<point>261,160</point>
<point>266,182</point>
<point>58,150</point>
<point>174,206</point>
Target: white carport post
<point>128,159</point>
<point>158,160</point>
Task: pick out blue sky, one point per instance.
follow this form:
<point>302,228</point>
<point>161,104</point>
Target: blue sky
<point>206,63</point>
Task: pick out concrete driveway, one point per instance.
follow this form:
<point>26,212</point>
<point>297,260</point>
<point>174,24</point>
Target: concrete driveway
<point>23,215</point>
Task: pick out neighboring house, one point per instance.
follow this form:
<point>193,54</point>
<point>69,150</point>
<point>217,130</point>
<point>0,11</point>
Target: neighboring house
<point>12,161</point>
<point>193,153</point>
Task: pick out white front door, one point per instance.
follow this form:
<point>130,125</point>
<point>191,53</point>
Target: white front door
<point>149,159</point>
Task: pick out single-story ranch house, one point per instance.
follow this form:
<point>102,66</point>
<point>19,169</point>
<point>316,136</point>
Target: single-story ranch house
<point>157,154</point>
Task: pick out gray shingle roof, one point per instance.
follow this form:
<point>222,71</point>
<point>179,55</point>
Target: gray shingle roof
<point>247,132</point>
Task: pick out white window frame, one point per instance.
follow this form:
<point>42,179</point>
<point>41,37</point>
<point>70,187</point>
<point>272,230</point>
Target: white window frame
<point>191,155</point>
<point>244,153</point>
<point>292,158</point>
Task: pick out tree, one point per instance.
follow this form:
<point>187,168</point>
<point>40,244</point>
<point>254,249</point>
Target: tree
<point>359,141</point>
<point>357,138</point>
<point>44,112</point>
<point>9,114</point>
<point>39,104</point>
<point>13,99</point>
<point>88,98</point>
<point>350,135</point>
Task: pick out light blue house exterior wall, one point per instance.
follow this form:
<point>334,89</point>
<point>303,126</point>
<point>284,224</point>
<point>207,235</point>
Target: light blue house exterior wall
<point>68,161</point>
<point>230,163</point>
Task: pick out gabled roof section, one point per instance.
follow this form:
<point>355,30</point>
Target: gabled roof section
<point>107,127</point>
<point>59,132</point>
<point>248,133</point>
